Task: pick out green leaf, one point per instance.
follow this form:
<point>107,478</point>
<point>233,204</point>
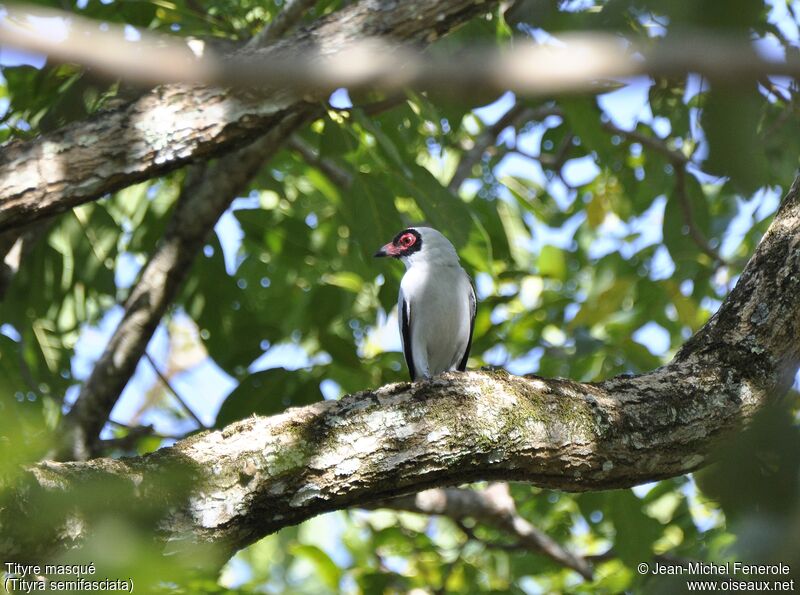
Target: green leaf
<point>368,207</point>
<point>730,119</point>
<point>552,262</point>
<point>682,248</point>
<point>342,351</point>
<point>345,280</point>
<point>269,392</point>
<point>385,143</point>
<point>227,314</point>
<point>599,307</point>
<point>635,531</point>
<point>325,568</point>
<point>583,116</point>
<point>11,379</point>
<point>517,234</point>
<point>442,209</point>
<point>336,140</point>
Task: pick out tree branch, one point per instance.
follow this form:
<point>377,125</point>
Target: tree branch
<point>679,162</point>
<point>181,401</point>
<point>576,65</point>
<point>337,174</point>
<point>174,124</point>
<point>513,117</point>
<point>283,22</point>
<point>697,235</point>
<point>676,158</point>
<point>261,474</point>
<point>492,506</point>
<point>203,199</point>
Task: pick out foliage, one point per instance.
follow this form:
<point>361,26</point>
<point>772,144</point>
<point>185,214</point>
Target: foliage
<point>592,256</point>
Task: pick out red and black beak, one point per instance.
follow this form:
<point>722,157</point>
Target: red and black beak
<point>387,250</point>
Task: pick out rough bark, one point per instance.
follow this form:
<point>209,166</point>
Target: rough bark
<point>261,474</point>
<point>173,124</point>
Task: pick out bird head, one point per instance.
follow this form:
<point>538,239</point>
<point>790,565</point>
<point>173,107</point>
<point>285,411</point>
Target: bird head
<point>417,245</point>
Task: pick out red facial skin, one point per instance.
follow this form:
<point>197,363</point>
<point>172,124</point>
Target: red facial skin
<point>403,243</point>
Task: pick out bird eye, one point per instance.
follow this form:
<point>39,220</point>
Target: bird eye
<point>407,240</point>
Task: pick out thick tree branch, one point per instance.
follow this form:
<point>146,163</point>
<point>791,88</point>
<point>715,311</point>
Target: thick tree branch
<point>174,124</point>
<point>261,474</point>
<point>527,68</point>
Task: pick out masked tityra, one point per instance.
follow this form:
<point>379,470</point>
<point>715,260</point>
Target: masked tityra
<point>436,307</point>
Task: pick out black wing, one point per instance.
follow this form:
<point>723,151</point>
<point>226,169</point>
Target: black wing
<point>462,365</point>
<point>405,326</point>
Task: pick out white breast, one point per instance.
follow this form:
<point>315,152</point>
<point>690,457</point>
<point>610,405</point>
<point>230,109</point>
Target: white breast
<point>440,313</point>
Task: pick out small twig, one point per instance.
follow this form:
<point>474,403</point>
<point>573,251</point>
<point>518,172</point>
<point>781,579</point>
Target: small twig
<point>134,434</point>
<point>468,531</point>
<point>338,175</point>
<point>165,381</point>
<point>785,114</point>
<point>372,108</point>
<point>698,237</point>
<point>651,142</point>
<point>562,152</point>
<point>554,161</point>
<point>776,90</point>
<point>282,23</point>
<point>664,558</point>
<point>470,534</point>
<point>678,161</point>
<point>139,428</point>
<point>129,440</point>
<point>513,117</point>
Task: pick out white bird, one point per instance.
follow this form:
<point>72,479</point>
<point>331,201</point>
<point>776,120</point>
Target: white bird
<point>436,306</point>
